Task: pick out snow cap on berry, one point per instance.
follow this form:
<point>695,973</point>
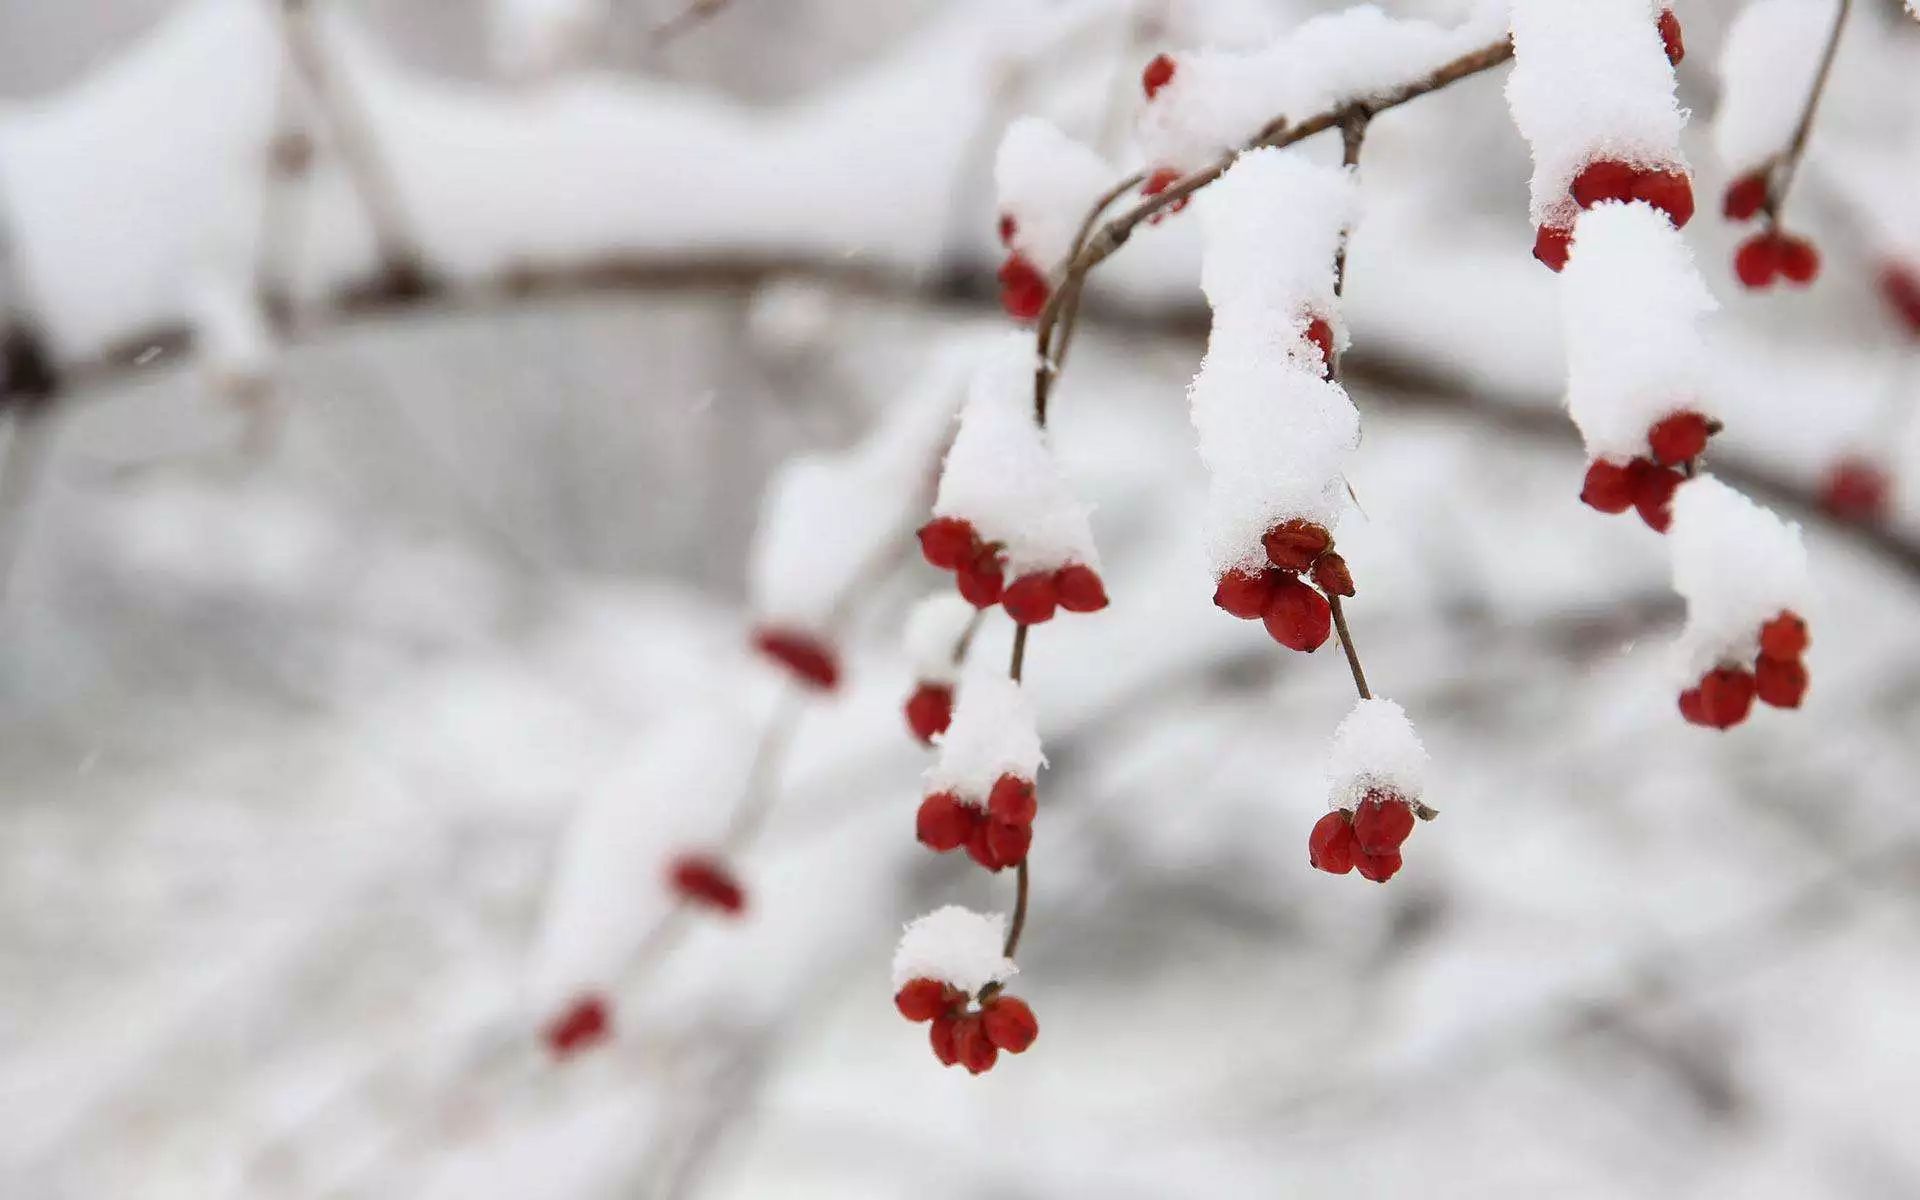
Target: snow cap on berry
<point>1047,183</point>
<point>956,946</point>
<point>1737,566</point>
<point>992,734</point>
<point>1631,303</point>
<point>1590,83</point>
<point>1767,65</point>
<point>1001,474</point>
<point>1375,749</point>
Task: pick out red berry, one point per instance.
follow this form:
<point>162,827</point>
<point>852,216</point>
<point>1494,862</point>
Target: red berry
<point>1159,73</point>
<point>1901,289</point>
<point>1757,261</point>
<point>1799,261</point>
<point>700,879</point>
<point>1857,489</point>
<point>585,1023</point>
<point>1680,437</point>
<point>1079,588</point>
<point>1245,594</point>
<point>1382,822</point>
<point>1297,616</point>
<point>1008,228</point>
<point>1784,638</point>
<point>1331,573</point>
<point>980,581</point>
<point>1377,868</point>
<point>929,710</point>
<point>942,1035</point>
<point>1670,37</point>
<point>976,1053</point>
<point>1552,246</point>
<point>1746,196</point>
<point>1610,487</point>
<point>1669,191</point>
<point>1009,1024</point>
<point>1781,684</point>
<point>1726,696</point>
<point>1653,491</point>
<point>1008,844</point>
<point>1158,182</point>
<point>923,999</point>
<point>1321,335</point>
<point>1023,289</point>
<point>980,845</point>
<point>1603,180</point>
<point>809,659</point>
<point>949,542</point>
<point>944,823</point>
<point>1693,707</point>
<point>1331,846</point>
<point>1012,800</point>
<point>1031,599</point>
<point>1293,545</point>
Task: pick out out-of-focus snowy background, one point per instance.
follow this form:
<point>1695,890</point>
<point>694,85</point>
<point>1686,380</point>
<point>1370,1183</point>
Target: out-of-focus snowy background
<point>345,730</point>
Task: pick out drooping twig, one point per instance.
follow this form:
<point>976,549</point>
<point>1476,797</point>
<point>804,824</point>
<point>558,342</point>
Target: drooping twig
<point>1788,164</point>
<point>695,14</point>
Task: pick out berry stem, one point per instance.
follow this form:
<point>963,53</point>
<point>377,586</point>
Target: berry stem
<point>1789,162</point>
<point>1346,644</point>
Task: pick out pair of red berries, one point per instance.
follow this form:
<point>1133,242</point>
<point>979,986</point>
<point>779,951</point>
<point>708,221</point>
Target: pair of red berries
<point>1725,695</point>
<point>1608,179</point>
<point>1366,838</point>
<point>806,657</point>
<point>705,881</point>
<point>1295,615</point>
<point>997,836</point>
<point>585,1024</point>
<point>973,1039</point>
<point>929,711</point>
<point>1647,484</point>
<point>952,544</point>
<point>1857,489</point>
<point>1770,254</point>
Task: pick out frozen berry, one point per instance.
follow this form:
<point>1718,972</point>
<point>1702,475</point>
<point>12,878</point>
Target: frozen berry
<point>809,659</point>
<point>1669,191</point>
<point>1009,1024</point>
<point>1031,599</point>
<point>1680,437</point>
<point>1159,73</point>
<point>699,879</point>
<point>1757,261</point>
<point>1610,487</point>
<point>1297,616</point>
<point>1378,868</point>
<point>1331,573</point>
<point>1381,823</point>
<point>1552,246</point>
<point>980,580</point>
<point>1158,182</point>
<point>1784,638</point>
<point>1799,261</point>
<point>1857,489</point>
<point>1693,707</point>
<point>1023,289</point>
<point>1244,594</point>
<point>1321,335</point>
<point>944,823</point>
<point>1781,684</point>
<point>941,1034</point>
<point>929,710</point>
<point>1293,545</point>
<point>1726,696</point>
<point>585,1023</point>
<point>980,845</point>
<point>1079,588</point>
<point>1900,287</point>
<point>1670,38</point>
<point>949,542</point>
<point>1007,843</point>
<point>1012,800</point>
<point>1746,196</point>
<point>1331,846</point>
<point>976,1053</point>
<point>1653,491</point>
<point>1603,180</point>
<point>923,999</point>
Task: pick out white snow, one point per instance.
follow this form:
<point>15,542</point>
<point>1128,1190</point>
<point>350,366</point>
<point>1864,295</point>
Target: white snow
<point>934,629</point>
<point>1375,747</point>
<point>1047,183</point>
<point>993,734</point>
<point>230,333</point>
<point>1767,67</point>
<point>1737,565</point>
<point>1001,473</point>
<point>956,946</point>
<point>537,37</point>
<point>1275,437</point>
<point>1631,303</point>
<point>1590,81</point>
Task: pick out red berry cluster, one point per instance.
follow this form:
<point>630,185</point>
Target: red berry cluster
<point>1160,181</point>
<point>1857,489</point>
<point>1725,695</point>
<point>952,544</point>
<point>973,1038</point>
<point>1158,74</point>
<point>1670,191</point>
<point>1900,286</point>
<point>997,836</point>
<point>1023,287</point>
<point>929,710</point>
<point>1770,254</point>
<point>1647,483</point>
<point>810,660</point>
<point>706,881</point>
<point>1670,38</point>
<point>1367,837</point>
<point>585,1024</point>
<point>1296,616</point>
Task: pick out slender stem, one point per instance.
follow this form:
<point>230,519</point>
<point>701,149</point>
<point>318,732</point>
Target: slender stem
<point>1353,136</point>
<point>698,13</point>
<point>1346,643</point>
<point>1019,925</point>
<point>1789,162</point>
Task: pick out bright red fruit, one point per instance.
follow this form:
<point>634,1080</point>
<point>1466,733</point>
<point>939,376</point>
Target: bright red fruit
<point>980,580</point>
<point>585,1023</point>
<point>1331,846</point>
<point>1023,289</point>
<point>1552,246</point>
<point>1784,638</point>
<point>1377,868</point>
<point>1031,599</point>
<point>1244,594</point>
<point>1007,844</point>
<point>1158,182</point>
<point>923,999</point>
<point>1653,491</point>
<point>1670,37</point>
<point>1799,261</point>
<point>949,542</point>
<point>977,1054</point>
<point>1297,616</point>
<point>942,1034</point>
<point>1693,707</point>
<point>1609,487</point>
<point>1669,191</point>
<point>1009,1024</point>
<point>1857,489</point>
<point>944,823</point>
<point>980,845</point>
<point>1726,696</point>
<point>1381,823</point>
<point>1293,545</point>
<point>929,710</point>
<point>1079,588</point>
<point>1321,335</point>
<point>700,879</point>
<point>1680,437</point>
<point>1900,288</point>
<point>1781,684</point>
<point>1158,74</point>
<point>809,659</point>
<point>1603,180</point>
<point>1012,800</point>
<point>1746,196</point>
<point>1331,573</point>
<point>1757,261</point>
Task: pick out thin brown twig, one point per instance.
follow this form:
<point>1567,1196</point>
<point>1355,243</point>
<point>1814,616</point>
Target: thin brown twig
<point>1788,164</point>
<point>687,19</point>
